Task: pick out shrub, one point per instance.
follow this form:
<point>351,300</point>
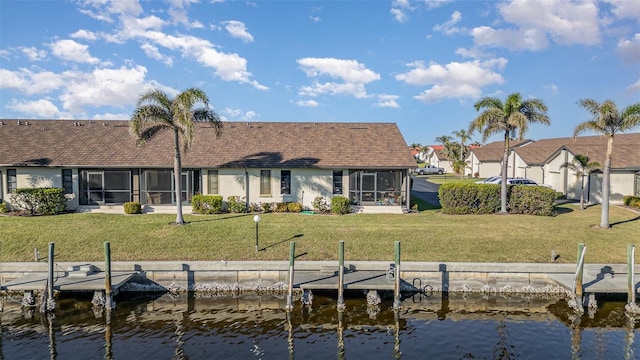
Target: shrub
<point>628,200</point>
<point>320,205</point>
<point>635,203</point>
<point>340,205</point>
<point>255,207</point>
<point>281,207</point>
<point>266,207</point>
<point>40,201</point>
<point>469,198</point>
<point>132,207</point>
<point>235,204</point>
<point>207,204</point>
<point>476,174</point>
<point>3,207</point>
<point>532,200</point>
<point>294,207</point>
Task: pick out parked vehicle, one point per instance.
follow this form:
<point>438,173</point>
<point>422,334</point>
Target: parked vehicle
<point>429,169</point>
<point>510,181</point>
<point>491,180</point>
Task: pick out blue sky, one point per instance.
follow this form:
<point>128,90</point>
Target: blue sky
<point>420,64</point>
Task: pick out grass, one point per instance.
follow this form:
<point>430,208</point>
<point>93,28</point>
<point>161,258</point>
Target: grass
<point>450,178</point>
<point>425,236</point>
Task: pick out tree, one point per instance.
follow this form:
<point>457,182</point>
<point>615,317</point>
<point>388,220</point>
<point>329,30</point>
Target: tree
<point>608,121</point>
<point>582,166</point>
<point>444,139</point>
<point>463,135</point>
<point>511,117</point>
<point>156,111</point>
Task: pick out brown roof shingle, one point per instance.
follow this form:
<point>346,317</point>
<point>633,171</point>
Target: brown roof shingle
<point>254,144</point>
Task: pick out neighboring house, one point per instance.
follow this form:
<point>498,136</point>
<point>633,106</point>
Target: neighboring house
<point>439,159</point>
<point>541,161</point>
<point>99,163</point>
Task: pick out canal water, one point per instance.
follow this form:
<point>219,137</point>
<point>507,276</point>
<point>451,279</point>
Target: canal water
<point>432,326</point>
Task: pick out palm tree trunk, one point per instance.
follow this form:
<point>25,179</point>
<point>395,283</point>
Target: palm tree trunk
<point>606,177</point>
<point>503,185</point>
<point>177,175</point>
<point>582,192</point>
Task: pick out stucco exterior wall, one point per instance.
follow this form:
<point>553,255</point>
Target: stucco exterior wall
<point>621,184</point>
<point>306,184</point>
<point>488,169</point>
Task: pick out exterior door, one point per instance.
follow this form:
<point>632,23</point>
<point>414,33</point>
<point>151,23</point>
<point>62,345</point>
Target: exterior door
<point>95,187</point>
<point>368,194</point>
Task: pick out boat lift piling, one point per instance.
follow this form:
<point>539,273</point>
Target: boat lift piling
<point>396,288</point>
<point>292,253</point>
<point>341,305</point>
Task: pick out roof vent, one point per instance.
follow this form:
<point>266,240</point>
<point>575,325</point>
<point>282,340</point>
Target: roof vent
<point>1,123</point>
<point>104,124</point>
<point>26,123</point>
<point>19,123</point>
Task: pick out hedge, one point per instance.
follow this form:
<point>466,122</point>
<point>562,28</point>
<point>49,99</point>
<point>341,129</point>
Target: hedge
<point>340,205</point>
<point>469,198</point>
<point>132,207</point>
<point>39,201</point>
<point>206,204</point>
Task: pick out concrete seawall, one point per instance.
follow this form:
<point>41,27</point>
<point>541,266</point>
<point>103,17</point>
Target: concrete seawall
<point>221,276</point>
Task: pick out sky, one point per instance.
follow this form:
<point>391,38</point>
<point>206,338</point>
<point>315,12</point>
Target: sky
<point>419,64</point>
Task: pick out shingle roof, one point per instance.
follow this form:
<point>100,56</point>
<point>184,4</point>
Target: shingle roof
<point>253,144</point>
<point>626,150</point>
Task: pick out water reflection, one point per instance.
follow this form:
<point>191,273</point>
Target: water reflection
<point>253,326</point>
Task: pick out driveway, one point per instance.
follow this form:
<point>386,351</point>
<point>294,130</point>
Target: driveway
<point>425,190</point>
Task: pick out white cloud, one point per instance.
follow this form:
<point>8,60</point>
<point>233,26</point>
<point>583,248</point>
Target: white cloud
<point>34,54</point>
<point>249,115</point>
<point>626,9</point>
<point>565,22</point>
<point>237,30</point>
<point>354,77</point>
<point>232,112</point>
<point>448,27</point>
<point>629,50</point>
<point>553,88</point>
<point>385,100</point>
<point>111,116</point>
<point>85,35</point>
<point>30,82</point>
<point>239,114</point>
<point>38,108</point>
<point>453,80</point>
<point>70,50</point>
<point>105,87</point>
<point>401,8</point>
<point>152,52</point>
<point>633,88</point>
<point>307,103</point>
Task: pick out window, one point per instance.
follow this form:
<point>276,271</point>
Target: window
<point>285,182</point>
<point>265,182</point>
<point>67,181</point>
<point>104,186</point>
<point>12,180</point>
<point>213,182</point>
<point>337,182</point>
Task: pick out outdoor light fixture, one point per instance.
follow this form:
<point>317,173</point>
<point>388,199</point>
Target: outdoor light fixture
<point>257,220</point>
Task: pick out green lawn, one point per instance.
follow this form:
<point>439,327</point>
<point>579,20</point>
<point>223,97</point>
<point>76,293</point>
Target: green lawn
<point>450,178</point>
<point>426,236</point>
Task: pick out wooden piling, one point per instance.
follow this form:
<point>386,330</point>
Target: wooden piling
<point>578,291</point>
<point>50,277</point>
<point>396,276</point>
<point>108,299</point>
<point>341,304</point>
<point>631,282</point>
<point>292,256</point>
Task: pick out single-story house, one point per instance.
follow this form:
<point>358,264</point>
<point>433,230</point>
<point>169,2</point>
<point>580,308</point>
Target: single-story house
<point>542,162</point>
<point>99,163</point>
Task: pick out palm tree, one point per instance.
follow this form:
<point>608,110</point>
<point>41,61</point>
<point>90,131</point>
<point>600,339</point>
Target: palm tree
<point>608,121</point>
<point>514,115</point>
<point>444,139</point>
<point>156,111</point>
<point>582,166</point>
<point>463,135</point>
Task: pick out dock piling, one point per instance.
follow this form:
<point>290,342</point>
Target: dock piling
<point>396,287</point>
<point>577,282</point>
<point>341,305</point>
<point>292,256</point>
<point>108,298</point>
<point>49,303</point>
<point>631,282</point>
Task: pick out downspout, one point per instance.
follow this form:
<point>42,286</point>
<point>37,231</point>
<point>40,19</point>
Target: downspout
<point>408,187</point>
<point>246,187</point>
<point>564,173</point>
<point>542,168</point>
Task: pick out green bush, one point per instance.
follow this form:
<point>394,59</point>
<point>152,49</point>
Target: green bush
<point>281,207</point>
<point>39,201</point>
<point>294,207</point>
<point>207,204</point>
<point>531,200</point>
<point>628,200</point>
<point>132,207</point>
<point>267,207</point>
<point>470,198</point>
<point>320,205</point>
<point>340,205</point>
<point>634,202</point>
<point>254,207</point>
<point>3,207</point>
<point>235,204</point>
